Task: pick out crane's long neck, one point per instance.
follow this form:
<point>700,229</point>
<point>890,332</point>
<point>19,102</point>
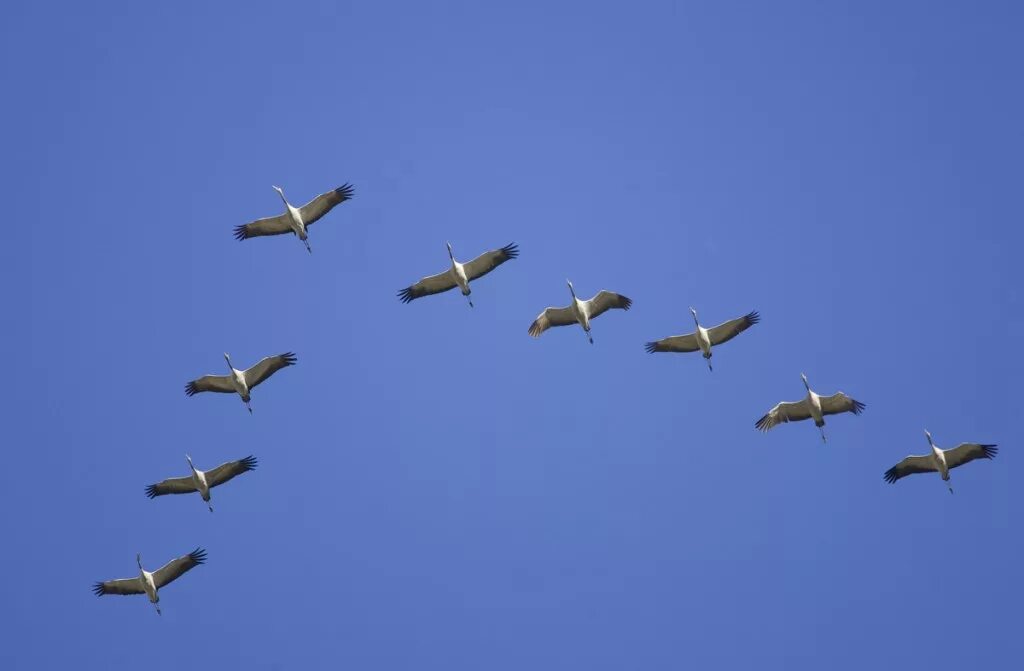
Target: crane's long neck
<point>190,465</point>
<point>280,192</point>
<point>138,560</point>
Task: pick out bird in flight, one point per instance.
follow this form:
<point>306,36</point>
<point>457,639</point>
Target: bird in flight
<point>295,219</point>
<point>459,274</point>
<point>579,312</point>
<point>811,406</point>
<point>940,461</point>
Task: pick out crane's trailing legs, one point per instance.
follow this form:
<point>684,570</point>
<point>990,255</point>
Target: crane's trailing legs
<point>822,429</point>
<point>308,248</point>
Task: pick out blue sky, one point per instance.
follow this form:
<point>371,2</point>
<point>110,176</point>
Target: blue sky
<point>437,490</point>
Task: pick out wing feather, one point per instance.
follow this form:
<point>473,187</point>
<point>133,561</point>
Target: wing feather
<point>488,261</point>
<point>909,466</point>
<point>679,343</point>
<point>606,300</point>
<point>965,452</point>
<point>175,568</point>
<point>121,586</point>
<point>784,412</point>
<point>730,329</point>
<point>324,203</point>
<point>216,383</point>
<point>838,403</point>
<point>267,367</point>
<point>434,284</point>
<point>171,486</point>
<point>278,225</point>
<point>551,317</point>
<point>226,471</point>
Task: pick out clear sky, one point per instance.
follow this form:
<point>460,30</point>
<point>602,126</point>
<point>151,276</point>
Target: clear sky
<point>436,489</point>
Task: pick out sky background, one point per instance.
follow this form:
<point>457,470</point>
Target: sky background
<point>437,490</point>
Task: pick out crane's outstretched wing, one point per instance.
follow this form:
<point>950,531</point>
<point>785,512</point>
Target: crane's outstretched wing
<point>784,412</point>
<point>267,367</point>
<point>282,223</point>
<point>488,261</point>
<point>909,466</point>
<point>965,452</point>
<point>324,203</point>
<point>226,471</point>
<point>840,402</point>
<point>218,383</point>
<point>121,586</point>
<point>730,329</point>
<point>434,284</point>
<point>679,343</point>
<point>552,317</point>
<point>175,568</point>
<point>171,486</point>
<point>606,300</point>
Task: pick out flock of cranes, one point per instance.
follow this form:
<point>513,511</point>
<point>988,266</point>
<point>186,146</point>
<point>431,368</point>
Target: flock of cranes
<point>582,312</point>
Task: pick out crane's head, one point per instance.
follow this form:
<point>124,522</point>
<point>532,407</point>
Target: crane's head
<point>277,188</point>
<point>570,287</point>
<point>693,312</point>
<point>804,378</point>
<point>928,436</point>
<point>189,459</point>
<point>227,357</point>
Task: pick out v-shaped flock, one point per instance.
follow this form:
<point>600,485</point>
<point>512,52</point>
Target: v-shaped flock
<point>582,312</point>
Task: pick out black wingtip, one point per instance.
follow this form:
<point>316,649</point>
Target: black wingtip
<point>890,475</point>
<point>511,250</point>
<point>405,295</point>
<point>289,358</point>
<point>626,302</point>
<point>190,389</point>
<point>151,491</point>
<point>753,317</point>
<point>762,424</point>
<point>346,191</point>
<point>198,556</point>
<point>240,232</point>
<point>249,463</point>
<point>651,347</point>
<point>990,451</point>
<point>858,407</point>
<point>97,589</point>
